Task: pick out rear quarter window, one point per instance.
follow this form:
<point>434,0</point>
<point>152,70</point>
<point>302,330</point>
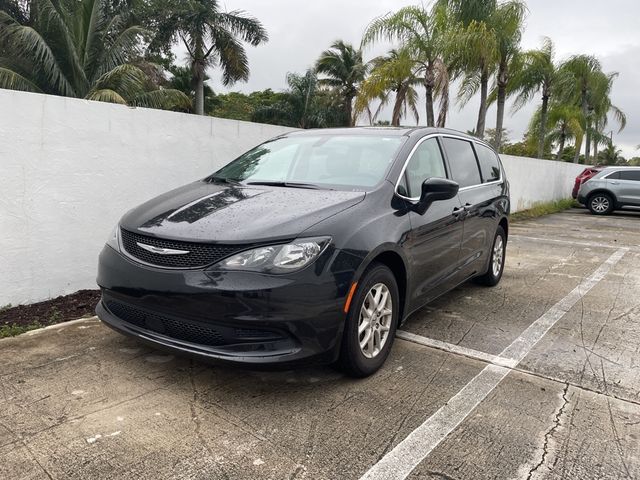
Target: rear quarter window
<point>633,175</point>
<point>462,160</point>
<point>489,164</point>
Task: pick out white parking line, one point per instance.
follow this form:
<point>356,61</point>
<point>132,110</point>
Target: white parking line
<point>404,457</point>
<point>449,347</point>
<point>567,242</point>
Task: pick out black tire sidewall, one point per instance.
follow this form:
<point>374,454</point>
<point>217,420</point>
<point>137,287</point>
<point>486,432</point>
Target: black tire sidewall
<point>596,195</point>
<point>352,360</point>
<point>489,278</point>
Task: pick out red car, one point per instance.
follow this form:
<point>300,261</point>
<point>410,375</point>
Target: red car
<point>586,174</point>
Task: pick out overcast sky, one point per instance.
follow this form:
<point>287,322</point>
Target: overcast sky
<point>300,30</point>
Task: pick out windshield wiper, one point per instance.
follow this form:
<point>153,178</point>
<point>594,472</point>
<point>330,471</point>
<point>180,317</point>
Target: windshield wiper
<point>289,184</point>
<point>229,181</point>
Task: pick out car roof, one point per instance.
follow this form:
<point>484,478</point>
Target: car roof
<point>620,167</point>
<point>385,131</point>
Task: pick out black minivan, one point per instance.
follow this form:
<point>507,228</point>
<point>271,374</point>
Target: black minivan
<point>310,248</point>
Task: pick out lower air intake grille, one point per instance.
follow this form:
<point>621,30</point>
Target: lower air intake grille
<point>199,254</point>
<point>180,330</point>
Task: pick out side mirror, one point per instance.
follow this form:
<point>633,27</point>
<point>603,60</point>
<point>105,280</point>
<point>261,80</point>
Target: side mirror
<point>435,189</point>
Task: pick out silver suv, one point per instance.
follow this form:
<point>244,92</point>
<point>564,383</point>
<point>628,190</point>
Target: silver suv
<point>611,189</point>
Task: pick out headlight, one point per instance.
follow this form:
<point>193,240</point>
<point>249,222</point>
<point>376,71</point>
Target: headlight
<point>277,258</point>
<point>113,241</point>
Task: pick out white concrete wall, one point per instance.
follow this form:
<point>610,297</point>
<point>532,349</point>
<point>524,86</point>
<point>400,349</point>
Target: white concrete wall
<point>536,181</point>
<point>69,169</point>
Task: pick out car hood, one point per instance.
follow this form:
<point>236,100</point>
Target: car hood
<point>204,211</point>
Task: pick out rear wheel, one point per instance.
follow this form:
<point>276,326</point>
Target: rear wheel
<point>496,264</point>
<point>371,323</point>
<point>600,204</point>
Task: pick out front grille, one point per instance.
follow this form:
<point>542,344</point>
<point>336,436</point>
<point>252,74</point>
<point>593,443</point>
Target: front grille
<point>200,254</point>
<point>178,329</point>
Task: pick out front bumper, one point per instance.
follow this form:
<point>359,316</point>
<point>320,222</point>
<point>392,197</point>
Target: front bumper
<point>232,317</point>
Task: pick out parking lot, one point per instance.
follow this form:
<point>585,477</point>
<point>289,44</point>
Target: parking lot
<point>536,378</point>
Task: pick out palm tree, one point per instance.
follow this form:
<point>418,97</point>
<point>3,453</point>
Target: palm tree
<point>181,79</point>
<point>345,71</point>
<point>472,44</point>
<point>211,37</point>
<point>591,89</point>
<point>600,106</point>
<point>611,155</point>
<point>421,33</point>
<point>539,74</point>
<point>392,73</point>
<point>78,50</point>
<point>507,21</point>
<point>304,105</point>
<point>564,123</point>
<point>584,69</point>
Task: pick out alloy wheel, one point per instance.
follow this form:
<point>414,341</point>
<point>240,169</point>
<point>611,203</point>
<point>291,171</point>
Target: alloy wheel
<point>374,324</point>
<point>498,256</point>
<point>600,204</point>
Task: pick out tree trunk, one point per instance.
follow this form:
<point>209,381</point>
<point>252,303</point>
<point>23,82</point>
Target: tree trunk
<point>587,151</point>
<point>503,78</point>
<point>595,151</point>
<point>429,80</point>
<point>583,102</point>
<point>429,94</point>
<point>442,118</point>
<point>563,137</point>
<point>397,107</point>
<point>543,125</point>
<point>348,111</point>
<point>444,107</point>
<point>198,68</point>
<point>482,112</point>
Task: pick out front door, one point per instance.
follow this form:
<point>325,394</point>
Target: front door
<point>626,187</point>
<point>433,245</point>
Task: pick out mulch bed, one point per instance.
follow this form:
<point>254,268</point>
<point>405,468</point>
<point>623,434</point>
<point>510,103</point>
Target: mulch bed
<point>57,310</point>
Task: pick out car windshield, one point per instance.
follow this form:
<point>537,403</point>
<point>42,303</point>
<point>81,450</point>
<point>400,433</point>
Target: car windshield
<point>325,161</point>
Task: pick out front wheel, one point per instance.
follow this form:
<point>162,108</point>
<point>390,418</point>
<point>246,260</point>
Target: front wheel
<point>496,263</point>
<point>371,322</point>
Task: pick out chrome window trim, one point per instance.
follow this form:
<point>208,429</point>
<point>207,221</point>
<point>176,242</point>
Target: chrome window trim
<point>447,135</point>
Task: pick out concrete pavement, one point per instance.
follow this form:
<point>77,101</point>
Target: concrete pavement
<point>80,401</point>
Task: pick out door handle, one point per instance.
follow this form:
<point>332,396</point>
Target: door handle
<point>614,183</point>
<point>459,212</point>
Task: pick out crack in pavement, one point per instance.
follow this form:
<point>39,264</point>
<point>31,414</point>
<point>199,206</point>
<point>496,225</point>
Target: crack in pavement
<point>551,431</point>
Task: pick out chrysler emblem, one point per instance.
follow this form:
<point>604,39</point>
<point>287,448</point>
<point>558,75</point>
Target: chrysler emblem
<point>162,251</point>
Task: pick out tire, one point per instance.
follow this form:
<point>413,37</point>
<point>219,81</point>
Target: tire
<point>357,361</point>
<point>496,265</point>
<point>600,203</point>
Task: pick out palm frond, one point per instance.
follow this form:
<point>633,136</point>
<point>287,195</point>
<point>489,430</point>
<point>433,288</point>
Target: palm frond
<point>248,28</point>
<point>115,51</point>
<point>14,81</point>
<point>166,99</point>
<point>106,95</point>
<point>233,58</point>
<point>468,88</point>
<point>27,42</point>
<point>128,80</point>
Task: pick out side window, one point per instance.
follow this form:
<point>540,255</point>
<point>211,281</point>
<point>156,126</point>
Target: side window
<point>613,176</point>
<point>633,175</point>
<point>462,160</point>
<point>426,162</point>
<point>489,163</point>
